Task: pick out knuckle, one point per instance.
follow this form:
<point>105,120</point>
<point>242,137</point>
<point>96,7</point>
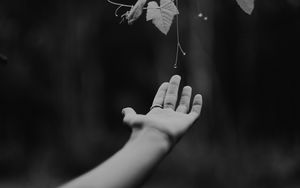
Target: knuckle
<point>184,101</point>
<point>169,105</point>
<point>171,99</point>
<point>182,108</point>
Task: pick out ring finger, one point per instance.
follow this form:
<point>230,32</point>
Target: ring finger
<point>184,103</point>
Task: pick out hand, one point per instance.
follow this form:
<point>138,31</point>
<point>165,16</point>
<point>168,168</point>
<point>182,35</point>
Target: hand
<point>164,117</point>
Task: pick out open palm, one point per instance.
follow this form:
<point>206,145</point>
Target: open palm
<point>163,115</point>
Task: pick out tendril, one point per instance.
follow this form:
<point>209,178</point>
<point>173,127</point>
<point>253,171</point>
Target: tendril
<point>116,11</point>
<point>178,45</point>
<point>123,17</point>
<point>119,4</point>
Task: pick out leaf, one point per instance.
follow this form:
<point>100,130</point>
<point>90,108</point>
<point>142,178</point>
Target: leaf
<point>246,5</point>
<point>162,16</point>
<point>136,11</point>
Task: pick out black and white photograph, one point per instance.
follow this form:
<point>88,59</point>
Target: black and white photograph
<point>149,94</point>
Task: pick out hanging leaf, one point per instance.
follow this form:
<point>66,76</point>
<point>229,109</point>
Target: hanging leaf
<point>136,11</point>
<point>162,16</point>
<point>246,5</point>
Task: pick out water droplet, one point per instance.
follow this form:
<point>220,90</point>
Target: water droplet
<point>200,15</point>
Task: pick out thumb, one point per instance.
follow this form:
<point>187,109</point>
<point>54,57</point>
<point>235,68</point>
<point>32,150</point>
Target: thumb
<point>128,111</point>
<point>131,118</point>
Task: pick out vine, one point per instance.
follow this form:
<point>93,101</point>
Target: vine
<point>162,16</point>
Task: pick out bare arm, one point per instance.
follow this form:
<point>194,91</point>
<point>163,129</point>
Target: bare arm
<point>152,137</point>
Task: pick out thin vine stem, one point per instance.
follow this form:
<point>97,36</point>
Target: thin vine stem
<point>116,11</point>
<point>119,4</point>
<point>178,45</point>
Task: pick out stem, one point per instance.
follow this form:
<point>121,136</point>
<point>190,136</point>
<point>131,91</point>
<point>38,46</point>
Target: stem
<point>119,4</point>
<point>116,11</point>
<point>178,45</point>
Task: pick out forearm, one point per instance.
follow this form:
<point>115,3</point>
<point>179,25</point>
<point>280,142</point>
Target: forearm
<point>129,167</point>
<point>154,133</point>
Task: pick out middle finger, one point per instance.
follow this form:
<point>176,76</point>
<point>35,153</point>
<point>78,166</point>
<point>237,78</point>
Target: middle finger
<point>172,92</point>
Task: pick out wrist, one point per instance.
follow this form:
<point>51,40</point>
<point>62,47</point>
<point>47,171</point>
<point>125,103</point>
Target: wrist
<point>153,137</point>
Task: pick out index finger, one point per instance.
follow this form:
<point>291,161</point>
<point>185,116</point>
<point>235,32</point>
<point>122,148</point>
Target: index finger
<point>160,94</point>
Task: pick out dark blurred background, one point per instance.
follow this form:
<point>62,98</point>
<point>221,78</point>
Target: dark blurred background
<point>72,68</point>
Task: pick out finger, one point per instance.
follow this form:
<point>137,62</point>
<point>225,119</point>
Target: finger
<point>131,118</point>
<point>185,99</point>
<point>172,92</point>
<point>160,94</point>
<point>197,105</point>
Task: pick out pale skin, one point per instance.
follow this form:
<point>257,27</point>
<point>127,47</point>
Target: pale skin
<point>153,136</point>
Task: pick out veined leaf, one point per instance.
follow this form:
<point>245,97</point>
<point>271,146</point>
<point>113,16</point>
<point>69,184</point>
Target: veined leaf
<point>246,5</point>
<point>162,16</point>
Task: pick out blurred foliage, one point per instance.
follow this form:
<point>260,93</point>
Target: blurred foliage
<point>72,68</point>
